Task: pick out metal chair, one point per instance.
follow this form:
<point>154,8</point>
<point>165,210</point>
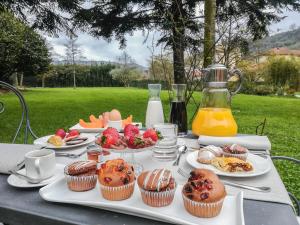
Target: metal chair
<point>25,113</point>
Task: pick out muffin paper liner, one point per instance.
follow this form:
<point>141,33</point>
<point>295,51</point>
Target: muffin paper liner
<point>117,193</point>
<point>239,156</point>
<point>158,199</point>
<point>201,209</point>
<point>81,183</point>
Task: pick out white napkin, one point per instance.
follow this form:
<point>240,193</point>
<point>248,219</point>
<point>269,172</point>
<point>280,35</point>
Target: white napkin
<point>12,154</point>
<point>249,141</point>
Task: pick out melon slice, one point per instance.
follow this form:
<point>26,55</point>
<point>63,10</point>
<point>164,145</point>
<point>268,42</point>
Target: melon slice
<point>127,121</point>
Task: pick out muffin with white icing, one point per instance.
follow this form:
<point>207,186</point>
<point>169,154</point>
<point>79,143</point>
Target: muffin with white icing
<point>157,187</point>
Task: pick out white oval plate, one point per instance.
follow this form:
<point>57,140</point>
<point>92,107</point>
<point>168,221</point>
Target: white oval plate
<point>20,183</point>
<point>42,141</point>
<point>260,166</point>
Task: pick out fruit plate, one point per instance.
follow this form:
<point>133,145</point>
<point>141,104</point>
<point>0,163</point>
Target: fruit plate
<point>42,141</point>
<point>231,213</point>
<point>96,130</point>
<point>260,166</point>
<point>130,150</point>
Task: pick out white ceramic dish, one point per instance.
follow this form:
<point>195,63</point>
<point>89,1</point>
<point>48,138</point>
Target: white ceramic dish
<point>20,183</point>
<point>231,214</point>
<point>260,166</point>
<point>96,130</point>
<point>43,142</point>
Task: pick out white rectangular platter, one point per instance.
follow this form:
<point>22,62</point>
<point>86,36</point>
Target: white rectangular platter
<point>231,214</point>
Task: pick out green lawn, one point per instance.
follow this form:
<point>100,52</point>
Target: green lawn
<point>62,107</point>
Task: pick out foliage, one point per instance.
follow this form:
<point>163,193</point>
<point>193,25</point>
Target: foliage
<point>22,50</point>
<point>62,76</point>
<point>283,72</point>
<point>125,75</point>
<point>161,68</point>
<point>52,108</point>
<point>47,15</point>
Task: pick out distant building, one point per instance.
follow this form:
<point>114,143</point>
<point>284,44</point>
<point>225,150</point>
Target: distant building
<point>284,52</point>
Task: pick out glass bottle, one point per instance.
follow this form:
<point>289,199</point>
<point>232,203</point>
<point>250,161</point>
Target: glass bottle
<point>154,114</point>
<point>214,117</point>
<point>178,113</point>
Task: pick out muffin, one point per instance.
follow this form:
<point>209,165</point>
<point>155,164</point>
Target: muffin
<point>236,151</point>
<point>81,175</point>
<point>116,178</point>
<point>157,187</point>
<point>203,194</point>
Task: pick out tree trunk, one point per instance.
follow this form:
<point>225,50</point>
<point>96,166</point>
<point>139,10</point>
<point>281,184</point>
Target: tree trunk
<point>178,43</point>
<point>15,80</point>
<point>43,81</point>
<point>209,32</point>
<point>74,77</point>
<point>21,79</point>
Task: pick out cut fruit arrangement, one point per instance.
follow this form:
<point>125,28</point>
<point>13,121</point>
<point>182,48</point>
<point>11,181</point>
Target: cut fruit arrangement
<point>102,120</point>
<point>132,138</point>
<point>61,137</point>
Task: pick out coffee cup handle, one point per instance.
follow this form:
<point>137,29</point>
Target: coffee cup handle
<point>37,166</point>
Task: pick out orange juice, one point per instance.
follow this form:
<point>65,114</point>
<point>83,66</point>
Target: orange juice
<point>214,122</point>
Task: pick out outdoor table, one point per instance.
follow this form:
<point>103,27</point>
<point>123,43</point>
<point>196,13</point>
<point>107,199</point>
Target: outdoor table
<point>25,206</point>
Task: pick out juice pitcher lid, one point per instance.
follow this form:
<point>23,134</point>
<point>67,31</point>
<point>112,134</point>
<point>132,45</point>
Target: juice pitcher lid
<point>217,75</point>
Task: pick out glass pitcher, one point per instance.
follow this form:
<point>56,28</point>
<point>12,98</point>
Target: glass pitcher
<point>155,113</point>
<point>178,113</point>
<point>214,117</point>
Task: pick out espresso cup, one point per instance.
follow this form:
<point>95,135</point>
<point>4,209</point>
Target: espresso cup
<point>40,164</point>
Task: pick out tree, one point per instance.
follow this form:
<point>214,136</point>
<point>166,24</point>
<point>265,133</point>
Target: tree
<point>125,75</point>
<point>73,53</point>
<point>23,52</point>
<point>209,32</point>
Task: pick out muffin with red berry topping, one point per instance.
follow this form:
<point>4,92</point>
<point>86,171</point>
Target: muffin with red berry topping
<point>81,175</point>
<point>157,187</point>
<point>203,194</point>
<point>116,178</point>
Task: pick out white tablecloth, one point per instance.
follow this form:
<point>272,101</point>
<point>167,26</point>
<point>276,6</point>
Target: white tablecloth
<point>271,179</point>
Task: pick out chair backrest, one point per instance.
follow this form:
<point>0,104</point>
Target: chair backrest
<point>25,114</point>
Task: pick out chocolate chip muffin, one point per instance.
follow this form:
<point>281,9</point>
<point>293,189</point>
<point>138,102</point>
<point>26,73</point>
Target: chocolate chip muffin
<point>157,187</point>
<point>116,178</point>
<point>203,194</point>
<point>81,175</point>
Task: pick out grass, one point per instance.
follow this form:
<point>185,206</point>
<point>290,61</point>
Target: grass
<point>62,107</point>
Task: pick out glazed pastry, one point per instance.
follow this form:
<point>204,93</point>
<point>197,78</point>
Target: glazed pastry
<point>231,164</point>
<point>157,187</point>
<point>203,194</point>
<point>236,151</point>
<point>81,175</point>
<point>116,178</point>
<point>206,154</point>
<point>55,140</point>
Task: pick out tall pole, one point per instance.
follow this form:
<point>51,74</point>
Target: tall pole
<point>209,32</point>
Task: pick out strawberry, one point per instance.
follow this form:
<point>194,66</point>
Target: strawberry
<point>60,132</point>
<point>111,131</point>
<point>73,134</point>
<point>106,141</point>
<point>131,130</point>
<point>153,134</point>
<point>135,142</point>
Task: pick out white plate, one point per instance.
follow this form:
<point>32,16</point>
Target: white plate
<point>231,213</point>
<point>260,166</point>
<point>20,183</point>
<point>43,141</point>
<point>95,130</point>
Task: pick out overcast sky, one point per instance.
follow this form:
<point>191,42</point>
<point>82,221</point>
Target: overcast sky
<point>137,47</point>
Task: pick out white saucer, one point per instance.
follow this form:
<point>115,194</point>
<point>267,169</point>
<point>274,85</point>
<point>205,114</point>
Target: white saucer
<point>20,183</point>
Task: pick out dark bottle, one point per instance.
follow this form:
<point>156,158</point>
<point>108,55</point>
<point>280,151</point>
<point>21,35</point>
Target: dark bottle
<point>178,113</point>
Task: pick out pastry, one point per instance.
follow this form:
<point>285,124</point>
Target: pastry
<point>203,194</point>
<point>231,164</point>
<point>236,151</point>
<point>116,178</point>
<point>206,154</point>
<point>157,187</point>
<point>81,175</point>
<point>55,140</point>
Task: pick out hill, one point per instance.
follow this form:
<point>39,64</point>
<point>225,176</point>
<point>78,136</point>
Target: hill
<point>289,39</point>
